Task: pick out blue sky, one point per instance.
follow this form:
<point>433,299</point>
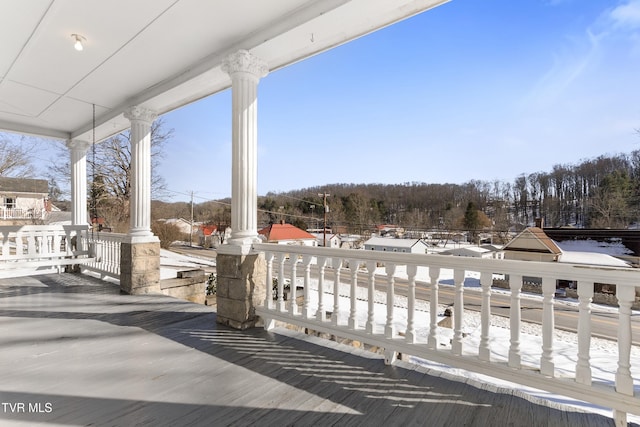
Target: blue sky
<point>471,90</point>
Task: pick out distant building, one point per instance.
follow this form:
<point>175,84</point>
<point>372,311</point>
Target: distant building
<point>532,244</point>
<point>333,240</point>
<point>287,234</point>
<point>475,252</point>
<point>22,200</point>
<point>183,225</point>
<point>387,244</point>
<point>208,235</point>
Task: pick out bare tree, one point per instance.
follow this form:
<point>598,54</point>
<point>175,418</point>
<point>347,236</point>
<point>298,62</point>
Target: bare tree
<point>15,157</point>
<point>109,170</point>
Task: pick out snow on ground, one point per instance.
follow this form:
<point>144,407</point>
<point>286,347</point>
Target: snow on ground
<point>172,262</point>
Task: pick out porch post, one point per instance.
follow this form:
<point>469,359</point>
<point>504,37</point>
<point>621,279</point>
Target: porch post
<point>245,70</point>
<point>241,273</point>
<point>78,151</point>
<point>140,256</point>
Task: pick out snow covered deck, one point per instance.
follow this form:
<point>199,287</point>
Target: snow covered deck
<point>77,352</point>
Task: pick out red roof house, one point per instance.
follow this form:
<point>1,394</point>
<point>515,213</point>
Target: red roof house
<point>287,234</point>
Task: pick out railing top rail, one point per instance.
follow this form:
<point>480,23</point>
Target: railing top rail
<point>9,229</point>
<point>599,274</point>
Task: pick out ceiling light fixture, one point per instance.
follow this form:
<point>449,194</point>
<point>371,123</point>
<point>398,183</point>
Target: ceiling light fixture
<point>78,44</point>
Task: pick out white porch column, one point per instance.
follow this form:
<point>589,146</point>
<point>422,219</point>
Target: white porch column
<point>78,150</point>
<point>245,71</point>
<point>141,119</point>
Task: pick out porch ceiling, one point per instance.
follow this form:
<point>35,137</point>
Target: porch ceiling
<point>160,53</point>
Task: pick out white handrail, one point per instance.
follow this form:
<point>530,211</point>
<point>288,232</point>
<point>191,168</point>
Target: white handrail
<point>516,366</point>
<point>108,252</point>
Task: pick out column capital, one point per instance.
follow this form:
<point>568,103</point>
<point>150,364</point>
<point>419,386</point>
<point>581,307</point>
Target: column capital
<point>76,144</point>
<point>244,61</point>
<point>140,113</point>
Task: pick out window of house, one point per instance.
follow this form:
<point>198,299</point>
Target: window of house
<point>9,202</point>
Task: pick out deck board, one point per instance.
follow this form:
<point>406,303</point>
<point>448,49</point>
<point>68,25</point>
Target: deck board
<point>102,358</point>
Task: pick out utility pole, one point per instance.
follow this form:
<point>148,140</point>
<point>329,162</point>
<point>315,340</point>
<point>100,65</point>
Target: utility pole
<point>326,210</point>
<point>191,233</point>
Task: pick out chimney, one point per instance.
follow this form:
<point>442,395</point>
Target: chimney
<point>540,222</point>
<point>282,222</point>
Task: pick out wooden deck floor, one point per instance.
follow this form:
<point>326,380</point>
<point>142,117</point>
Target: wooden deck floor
<point>76,352</point>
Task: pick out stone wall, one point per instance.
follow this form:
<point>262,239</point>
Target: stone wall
<point>188,285</point>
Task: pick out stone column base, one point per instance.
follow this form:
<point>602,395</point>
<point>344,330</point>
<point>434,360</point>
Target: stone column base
<point>240,289</point>
<point>140,268</point>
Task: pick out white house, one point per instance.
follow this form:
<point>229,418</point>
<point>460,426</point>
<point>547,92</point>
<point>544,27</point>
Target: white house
<point>385,244</point>
<point>475,252</point>
<point>333,240</point>
<point>23,200</point>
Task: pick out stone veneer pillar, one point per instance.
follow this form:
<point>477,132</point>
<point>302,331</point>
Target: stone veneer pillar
<point>140,253</point>
<point>241,273</point>
<point>78,151</point>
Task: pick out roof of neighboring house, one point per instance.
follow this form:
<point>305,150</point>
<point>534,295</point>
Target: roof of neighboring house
<point>278,232</point>
<point>591,258</point>
<point>208,230</point>
<point>467,250</point>
<point>23,185</point>
<point>533,239</point>
<point>391,242</point>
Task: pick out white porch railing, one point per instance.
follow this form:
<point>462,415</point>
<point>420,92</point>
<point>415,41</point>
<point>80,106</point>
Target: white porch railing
<point>107,252</point>
<point>20,213</point>
<point>352,319</point>
<point>26,248</point>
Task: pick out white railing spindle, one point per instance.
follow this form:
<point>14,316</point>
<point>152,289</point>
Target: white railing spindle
<point>320,314</point>
<point>484,351</point>
<point>432,340</point>
<point>371,288</point>
<point>458,310</point>
<point>515,285</point>
<point>583,367</point>
<point>336,263</point>
<point>353,297</point>
<point>410,334</point>
<point>547,366</point>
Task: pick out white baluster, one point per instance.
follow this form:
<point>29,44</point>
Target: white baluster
<point>547,366</point>
<point>458,309</point>
<point>306,263</point>
<point>484,351</point>
<point>583,367</point>
<point>410,334</point>
<point>320,314</point>
<point>432,340</point>
<point>390,270</point>
<point>353,297</point>
<point>515,285</point>
<point>293,305</point>
<point>371,283</point>
<point>268,299</point>
<point>624,381</point>
<point>280,303</point>
<point>336,263</point>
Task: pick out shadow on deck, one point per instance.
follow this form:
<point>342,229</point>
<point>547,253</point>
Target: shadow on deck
<point>76,352</point>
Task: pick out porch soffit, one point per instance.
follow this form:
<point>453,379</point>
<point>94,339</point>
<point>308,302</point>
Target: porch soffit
<point>160,53</point>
